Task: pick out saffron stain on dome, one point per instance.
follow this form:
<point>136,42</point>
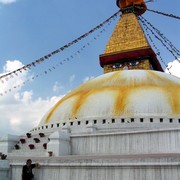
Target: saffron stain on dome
<point>98,102</point>
<point>57,105</point>
<point>173,97</point>
<point>121,101</point>
<point>161,80</point>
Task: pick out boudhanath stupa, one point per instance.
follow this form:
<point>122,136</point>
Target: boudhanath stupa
<point>122,125</point>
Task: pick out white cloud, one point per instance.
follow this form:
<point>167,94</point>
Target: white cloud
<point>26,97</point>
<point>71,79</point>
<point>14,82</point>
<point>57,87</point>
<point>12,65</point>
<point>88,78</point>
<point>174,68</point>
<point>20,116</point>
<point>19,111</point>
<point>7,1</point>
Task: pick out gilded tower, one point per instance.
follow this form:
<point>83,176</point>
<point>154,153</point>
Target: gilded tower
<point>128,47</point>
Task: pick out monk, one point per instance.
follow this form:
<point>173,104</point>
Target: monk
<point>128,3</point>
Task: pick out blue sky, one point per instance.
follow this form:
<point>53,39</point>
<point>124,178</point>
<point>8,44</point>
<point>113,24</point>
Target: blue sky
<point>31,29</point>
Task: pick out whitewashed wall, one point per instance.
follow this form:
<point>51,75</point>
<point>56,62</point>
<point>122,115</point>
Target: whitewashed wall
<point>4,170</point>
<point>7,143</point>
<point>100,170</point>
<point>137,142</point>
<point>148,154</point>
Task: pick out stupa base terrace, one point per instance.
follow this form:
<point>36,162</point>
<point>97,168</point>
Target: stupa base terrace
<point>115,149</point>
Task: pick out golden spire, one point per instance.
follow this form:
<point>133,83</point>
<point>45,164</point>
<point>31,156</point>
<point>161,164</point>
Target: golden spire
<point>128,47</point>
<point>127,35</point>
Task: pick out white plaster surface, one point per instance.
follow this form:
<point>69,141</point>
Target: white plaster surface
<point>59,144</point>
<point>7,143</point>
<point>4,170</point>
<point>130,152</point>
<point>134,167</point>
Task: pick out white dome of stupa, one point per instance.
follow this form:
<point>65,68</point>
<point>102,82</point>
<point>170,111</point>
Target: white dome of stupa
<point>122,93</point>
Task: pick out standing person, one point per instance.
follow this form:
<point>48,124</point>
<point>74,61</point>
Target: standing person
<point>27,170</point>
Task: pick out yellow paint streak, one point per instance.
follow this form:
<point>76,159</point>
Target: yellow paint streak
<point>57,105</point>
<point>82,99</point>
<point>79,102</point>
<point>121,101</point>
<point>97,83</point>
<point>172,90</point>
<point>159,78</point>
<point>173,95</point>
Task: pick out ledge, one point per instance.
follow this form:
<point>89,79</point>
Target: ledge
<point>123,161</point>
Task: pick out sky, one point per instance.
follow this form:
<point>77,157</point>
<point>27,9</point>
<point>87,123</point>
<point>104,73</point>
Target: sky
<point>31,29</point>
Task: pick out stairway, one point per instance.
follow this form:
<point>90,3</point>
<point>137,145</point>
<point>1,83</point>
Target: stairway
<point>26,142</point>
